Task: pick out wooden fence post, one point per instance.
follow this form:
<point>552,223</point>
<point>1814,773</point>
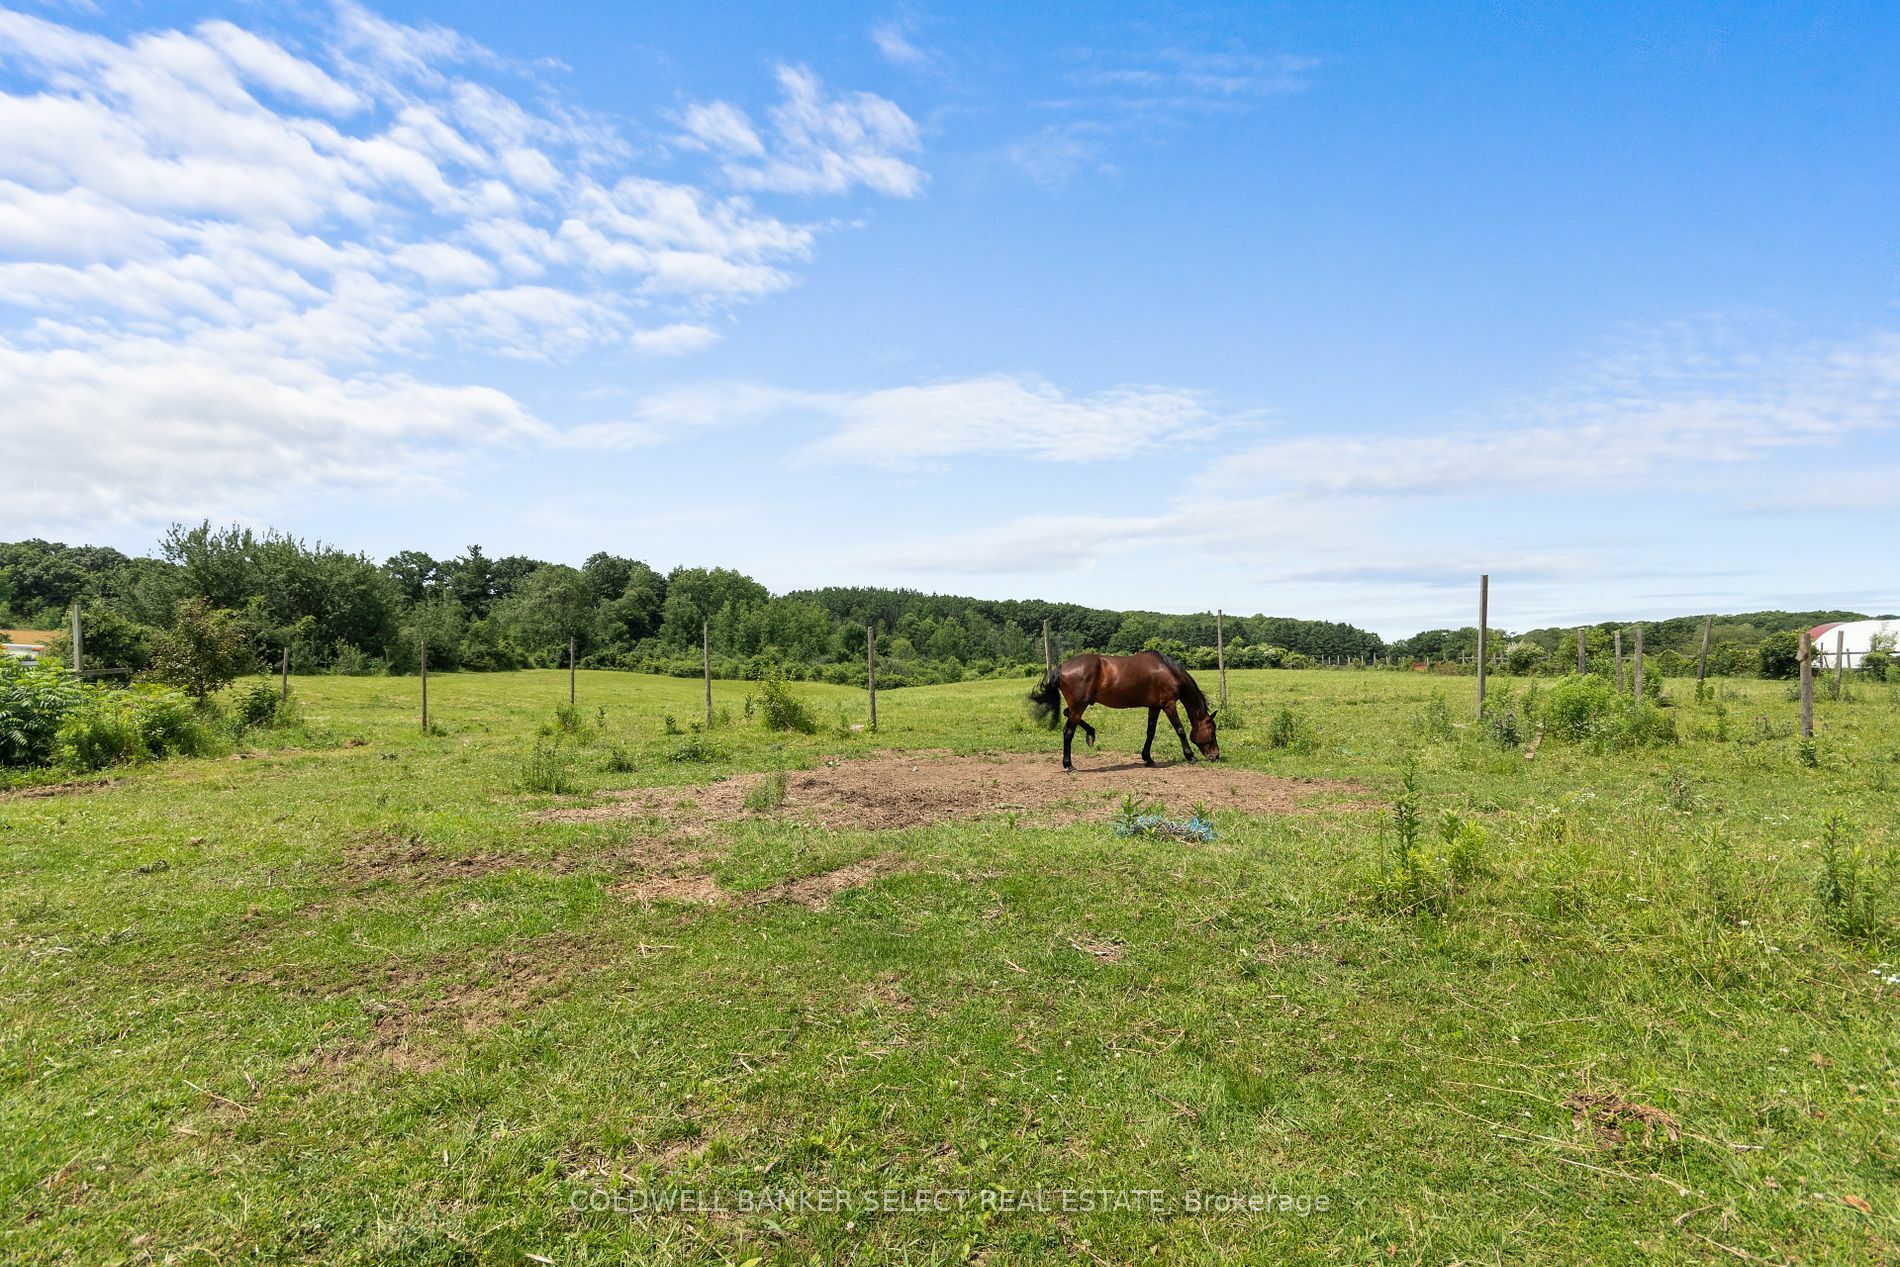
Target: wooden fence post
<point>870,669</point>
<point>424,654</point>
<point>1702,660</point>
<point>79,653</point>
<point>1840,658</point>
<point>283,692</point>
<point>570,673</point>
<point>1484,621</point>
<point>1048,657</point>
<point>1621,685</point>
<point>1220,654</point>
<point>1806,656</point>
<point>1639,664</point>
<point>1583,657</point>
<point>705,651</point>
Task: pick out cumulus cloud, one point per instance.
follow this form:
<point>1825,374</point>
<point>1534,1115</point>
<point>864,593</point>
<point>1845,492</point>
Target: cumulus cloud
<point>316,219</point>
<point>817,144</point>
<point>135,430</point>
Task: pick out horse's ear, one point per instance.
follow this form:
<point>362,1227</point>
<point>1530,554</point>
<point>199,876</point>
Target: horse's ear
<point>1212,713</point>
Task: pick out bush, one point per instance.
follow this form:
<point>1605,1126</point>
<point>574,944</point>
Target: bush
<point>138,724</point>
<point>259,704</point>
<point>352,661</point>
<point>767,794</point>
<point>1780,655</point>
<point>203,651</point>
<point>546,769</point>
<point>1578,708</point>
<point>1291,731</point>
<point>1850,901</point>
<point>1590,710</point>
<point>782,710</point>
<point>1419,875</point>
<point>34,700</point>
<point>1433,721</point>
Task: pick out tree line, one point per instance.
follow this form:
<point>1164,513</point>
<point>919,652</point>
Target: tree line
<point>337,611</point>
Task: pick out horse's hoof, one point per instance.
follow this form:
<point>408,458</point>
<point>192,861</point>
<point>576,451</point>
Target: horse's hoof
<point>1148,761</point>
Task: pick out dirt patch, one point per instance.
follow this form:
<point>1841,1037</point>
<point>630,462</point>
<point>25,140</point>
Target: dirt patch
<point>814,892</point>
<point>897,790</point>
<point>67,788</point>
<point>1108,950</point>
<point>379,856</point>
<point>1611,1116</point>
<point>699,890</point>
<point>456,991</point>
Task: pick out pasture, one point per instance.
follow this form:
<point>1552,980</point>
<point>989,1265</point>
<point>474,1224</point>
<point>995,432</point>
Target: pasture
<point>362,995</point>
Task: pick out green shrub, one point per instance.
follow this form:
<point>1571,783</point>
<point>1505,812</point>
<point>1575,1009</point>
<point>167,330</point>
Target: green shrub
<point>98,734</point>
<point>547,768</point>
<point>767,794</point>
<point>1578,708</point>
<point>1433,721</point>
<point>1502,724</point>
<point>696,748</point>
<point>34,701</point>
<point>1291,731</point>
<point>257,705</point>
<point>782,710</point>
<point>1851,901</point>
<point>1417,875</point>
<point>203,651</point>
<point>110,727</point>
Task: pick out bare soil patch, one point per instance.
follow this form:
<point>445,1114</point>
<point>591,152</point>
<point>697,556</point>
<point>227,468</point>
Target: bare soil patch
<point>34,792</point>
<point>1612,1117</point>
<point>813,892</point>
<point>472,993</point>
<point>897,790</point>
<point>379,856</point>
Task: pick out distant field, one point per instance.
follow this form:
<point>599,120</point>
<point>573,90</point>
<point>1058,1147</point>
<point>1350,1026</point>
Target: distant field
<point>357,996</point>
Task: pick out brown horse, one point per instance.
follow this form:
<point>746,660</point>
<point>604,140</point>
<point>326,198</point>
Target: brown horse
<point>1146,679</point>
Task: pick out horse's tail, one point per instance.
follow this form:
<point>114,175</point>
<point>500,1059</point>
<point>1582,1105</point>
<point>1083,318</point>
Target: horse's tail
<point>1045,702</point>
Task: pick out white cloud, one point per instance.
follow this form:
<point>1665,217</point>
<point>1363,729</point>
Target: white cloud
<point>1058,153</point>
<point>1685,399</point>
<point>1005,414</point>
<point>1197,80</point>
<point>895,46</point>
<point>818,145</point>
<point>1144,95</point>
<point>215,220</point>
<point>136,430</point>
<point>679,339</point>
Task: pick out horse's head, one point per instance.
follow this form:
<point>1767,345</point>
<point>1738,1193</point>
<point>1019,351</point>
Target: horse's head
<point>1202,733</point>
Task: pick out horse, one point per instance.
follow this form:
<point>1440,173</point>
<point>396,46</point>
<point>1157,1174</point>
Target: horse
<point>1147,679</point>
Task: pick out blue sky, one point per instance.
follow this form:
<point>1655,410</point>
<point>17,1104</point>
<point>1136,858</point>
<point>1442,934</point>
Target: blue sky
<point>1312,310</point>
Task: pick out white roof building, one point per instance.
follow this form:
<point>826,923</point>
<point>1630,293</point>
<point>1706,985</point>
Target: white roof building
<point>1851,640</point>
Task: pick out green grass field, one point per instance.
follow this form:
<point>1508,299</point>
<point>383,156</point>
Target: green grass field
<point>354,1002</point>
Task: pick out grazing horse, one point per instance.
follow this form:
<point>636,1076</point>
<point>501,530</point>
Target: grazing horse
<point>1146,679</point>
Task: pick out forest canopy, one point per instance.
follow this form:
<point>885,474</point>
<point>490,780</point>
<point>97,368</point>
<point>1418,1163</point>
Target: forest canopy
<point>335,611</point>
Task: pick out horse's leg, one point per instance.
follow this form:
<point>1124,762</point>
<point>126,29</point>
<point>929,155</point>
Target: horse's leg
<point>1068,741</point>
<point>1174,719</point>
<point>1147,758</point>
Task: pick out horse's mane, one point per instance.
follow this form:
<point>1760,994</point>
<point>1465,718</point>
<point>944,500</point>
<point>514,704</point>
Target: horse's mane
<point>1190,689</point>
